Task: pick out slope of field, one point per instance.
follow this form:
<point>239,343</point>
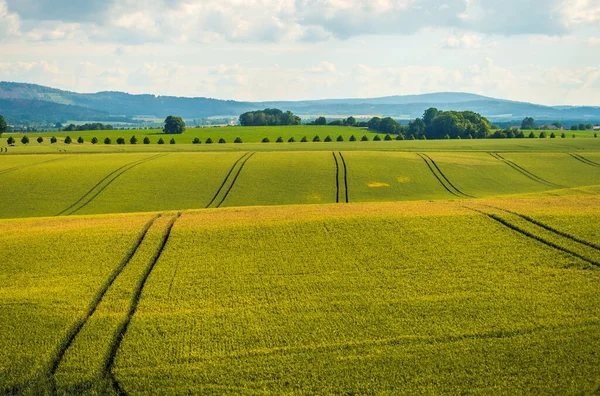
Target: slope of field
<point>427,297</point>
<point>50,272</point>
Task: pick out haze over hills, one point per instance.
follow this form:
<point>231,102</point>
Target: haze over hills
<point>20,102</point>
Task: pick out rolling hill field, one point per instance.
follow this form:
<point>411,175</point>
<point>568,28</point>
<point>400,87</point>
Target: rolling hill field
<point>415,267</point>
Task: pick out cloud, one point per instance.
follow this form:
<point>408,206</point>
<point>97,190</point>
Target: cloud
<point>9,22</point>
<point>466,41</point>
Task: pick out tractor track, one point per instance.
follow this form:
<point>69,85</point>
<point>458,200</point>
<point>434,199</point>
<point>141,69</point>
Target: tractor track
<point>98,188</point>
<point>444,181</point>
<point>225,180</point>
<point>337,178</point>
<point>16,168</point>
<point>345,176</point>
<point>586,161</point>
<point>524,171</point>
<point>239,171</point>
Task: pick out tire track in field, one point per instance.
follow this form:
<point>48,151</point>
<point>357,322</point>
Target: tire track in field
<point>549,228</point>
<point>345,176</point>
<point>115,344</point>
<point>586,161</point>
<point>77,326</point>
<point>337,178</point>
<point>99,187</point>
<point>445,178</point>
<point>530,235</point>
<point>524,171</point>
<point>212,201</point>
<point>234,180</point>
<point>16,168</point>
<point>440,177</point>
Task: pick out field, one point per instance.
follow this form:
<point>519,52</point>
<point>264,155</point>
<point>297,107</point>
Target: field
<point>436,267</point>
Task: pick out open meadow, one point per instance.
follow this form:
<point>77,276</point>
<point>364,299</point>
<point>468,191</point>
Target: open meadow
<point>414,267</point>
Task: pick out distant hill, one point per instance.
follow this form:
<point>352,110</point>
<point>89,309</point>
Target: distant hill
<point>35,103</point>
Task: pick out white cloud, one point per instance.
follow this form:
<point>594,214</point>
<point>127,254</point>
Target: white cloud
<point>9,22</point>
<point>580,11</point>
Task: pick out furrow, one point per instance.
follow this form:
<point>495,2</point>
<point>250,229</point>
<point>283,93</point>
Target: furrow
<point>16,168</point>
<point>528,234</point>
<point>76,327</point>
<point>345,177</point>
<point>337,179</point>
<point>102,185</point>
<point>447,180</point>
<point>115,344</point>
<point>234,180</point>
<point>436,175</point>
<point>524,171</point>
<point>585,160</point>
<point>225,180</point>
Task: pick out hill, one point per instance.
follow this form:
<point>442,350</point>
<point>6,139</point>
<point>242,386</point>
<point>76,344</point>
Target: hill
<point>47,104</point>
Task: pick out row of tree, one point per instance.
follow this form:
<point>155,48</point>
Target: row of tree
<point>53,140</point>
<point>269,117</point>
<point>528,123</point>
<point>96,126</point>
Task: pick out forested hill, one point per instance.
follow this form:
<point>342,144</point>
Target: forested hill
<point>21,102</point>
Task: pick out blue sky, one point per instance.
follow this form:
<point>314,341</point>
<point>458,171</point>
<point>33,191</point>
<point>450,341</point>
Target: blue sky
<point>543,51</point>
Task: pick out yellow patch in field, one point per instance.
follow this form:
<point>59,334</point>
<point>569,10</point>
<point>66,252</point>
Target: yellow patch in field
<point>377,184</point>
<point>314,197</point>
<point>403,179</point>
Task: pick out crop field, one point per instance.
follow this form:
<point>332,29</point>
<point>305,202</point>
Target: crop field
<point>416,267</point>
<point>470,296</point>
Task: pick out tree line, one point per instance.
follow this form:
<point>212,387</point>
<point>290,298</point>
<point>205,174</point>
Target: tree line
<point>269,117</point>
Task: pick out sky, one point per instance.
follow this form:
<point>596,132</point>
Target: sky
<point>541,51</point>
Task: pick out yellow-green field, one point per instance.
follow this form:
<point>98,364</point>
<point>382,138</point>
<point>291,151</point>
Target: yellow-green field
<point>462,267</point>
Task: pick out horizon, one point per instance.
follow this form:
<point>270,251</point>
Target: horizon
<point>537,51</point>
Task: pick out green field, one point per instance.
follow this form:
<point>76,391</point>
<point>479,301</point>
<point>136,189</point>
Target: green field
<point>413,267</point>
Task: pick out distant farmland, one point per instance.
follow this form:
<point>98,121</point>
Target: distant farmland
<point>417,267</point>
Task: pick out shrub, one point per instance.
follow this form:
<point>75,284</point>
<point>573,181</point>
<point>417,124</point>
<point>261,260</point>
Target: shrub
<point>304,140</point>
<point>279,140</point>
<point>68,140</point>
<point>107,141</point>
<point>291,140</point>
<point>328,139</point>
<point>596,135</point>
<point>552,136</point>
<point>40,139</point>
<point>376,138</point>
<point>531,135</point>
<point>411,137</point>
<point>120,140</point>
<point>316,139</point>
<point>172,141</point>
<point>573,136</point>
<point>352,138</point>
<point>425,137</point>
<point>520,135</point>
<point>339,139</point>
<point>470,136</point>
<point>543,135</point>
<point>209,141</point>
<point>196,140</point>
<point>146,140</point>
<point>388,137</point>
<point>25,139</point>
<point>266,140</point>
<point>133,140</point>
<point>94,140</point>
<point>10,140</point>
<point>222,141</point>
<point>161,141</point>
<point>238,140</point>
<point>447,136</point>
<point>400,137</point>
<point>80,140</point>
<point>364,138</point>
<point>53,140</point>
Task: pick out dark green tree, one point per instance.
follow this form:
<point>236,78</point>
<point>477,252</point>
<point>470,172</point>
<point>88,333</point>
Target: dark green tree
<point>321,121</point>
<point>552,136</point>
<point>146,140</point>
<point>543,135</point>
<point>531,135</point>
<point>303,140</point>
<point>10,140</point>
<point>316,139</point>
<point>266,140</point>
<point>429,115</point>
<point>94,140</point>
<point>291,140</point>
<point>120,140</point>
<point>172,141</point>
<point>40,139</point>
<point>562,135</point>
<point>238,140</point>
<point>161,141</point>
<point>339,139</point>
<point>528,123</point>
<point>328,139</point>
<point>400,137</point>
<point>68,140</point>
<point>80,140</point>
<point>222,141</point>
<point>53,140</point>
<point>581,127</point>
<point>374,123</point>
<point>350,121</point>
<point>279,140</point>
<point>388,137</point>
<point>133,140</point>
<point>364,138</point>
<point>174,125</point>
<point>376,138</point>
<point>25,139</point>
<point>3,125</point>
<point>352,138</point>
<point>209,141</point>
<point>107,141</point>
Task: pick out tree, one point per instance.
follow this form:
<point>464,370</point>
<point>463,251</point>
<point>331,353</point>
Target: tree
<point>53,140</point>
<point>321,121</point>
<point>411,137</point>
<point>133,140</point>
<point>316,139</point>
<point>575,127</point>
<point>350,121</point>
<point>531,135</point>
<point>172,141</point>
<point>279,140</point>
<point>552,135</point>
<point>68,140</point>
<point>528,123</point>
<point>107,141</point>
<point>543,135</point>
<point>80,140</point>
<point>557,124</point>
<point>238,140</point>
<point>266,140</point>
<point>373,124</point>
<point>447,137</point>
<point>339,139</point>
<point>146,140</point>
<point>388,137</point>
<point>174,125</point>
<point>400,137</point>
<point>303,140</point>
<point>352,138</point>
<point>222,141</point>
<point>196,140</point>
<point>3,125</point>
<point>10,140</point>
<point>328,138</point>
<point>40,139</point>
<point>209,141</point>
<point>562,135</point>
<point>291,140</point>
<point>581,127</point>
<point>161,141</point>
<point>94,140</point>
<point>589,127</point>
<point>25,139</point>
<point>364,138</point>
<point>268,117</point>
<point>429,115</point>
